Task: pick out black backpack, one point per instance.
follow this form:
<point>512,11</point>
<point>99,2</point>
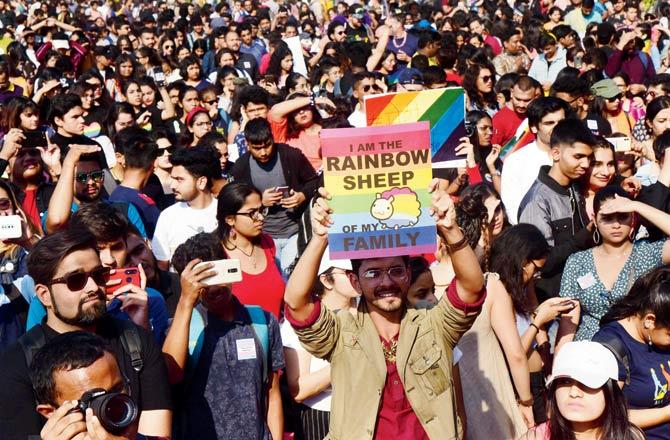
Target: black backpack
<point>614,344</point>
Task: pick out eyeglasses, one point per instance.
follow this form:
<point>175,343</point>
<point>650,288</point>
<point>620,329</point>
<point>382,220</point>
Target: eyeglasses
<point>77,280</point>
<point>396,273</point>
<point>487,78</point>
<point>5,203</point>
<point>168,47</point>
<point>255,213</point>
<point>614,98</point>
<point>96,176</point>
<point>212,102</point>
<point>537,270</point>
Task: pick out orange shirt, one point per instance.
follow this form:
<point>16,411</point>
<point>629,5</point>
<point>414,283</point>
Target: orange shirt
<point>309,144</point>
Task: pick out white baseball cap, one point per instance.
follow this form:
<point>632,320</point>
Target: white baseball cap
<point>589,363</point>
<point>327,263</point>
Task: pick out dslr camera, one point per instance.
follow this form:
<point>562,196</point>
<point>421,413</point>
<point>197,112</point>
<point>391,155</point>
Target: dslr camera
<point>116,411</point>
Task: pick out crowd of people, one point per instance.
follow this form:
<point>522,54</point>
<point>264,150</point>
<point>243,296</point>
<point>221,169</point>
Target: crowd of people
<point>150,148</point>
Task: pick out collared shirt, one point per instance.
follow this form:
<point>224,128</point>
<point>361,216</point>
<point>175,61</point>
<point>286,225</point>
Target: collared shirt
<point>257,49</point>
<point>232,403</point>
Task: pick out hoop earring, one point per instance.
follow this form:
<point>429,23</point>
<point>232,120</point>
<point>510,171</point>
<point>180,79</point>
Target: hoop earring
<point>596,236</point>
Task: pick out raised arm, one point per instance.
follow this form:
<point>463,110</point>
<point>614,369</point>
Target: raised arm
<point>175,347</point>
<point>379,49</point>
<point>281,110</point>
<point>60,204</point>
<point>168,110</point>
<point>469,276</point>
<point>297,295</point>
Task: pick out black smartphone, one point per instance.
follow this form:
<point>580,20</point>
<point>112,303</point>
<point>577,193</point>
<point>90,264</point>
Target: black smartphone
<point>34,139</point>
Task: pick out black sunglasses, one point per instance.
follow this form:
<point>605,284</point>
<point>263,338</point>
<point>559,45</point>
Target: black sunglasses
<point>170,150</point>
<point>77,280</point>
<point>97,176</point>
<point>614,98</point>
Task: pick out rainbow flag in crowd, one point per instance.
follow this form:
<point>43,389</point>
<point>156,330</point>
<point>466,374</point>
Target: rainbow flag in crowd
<point>444,109</point>
<point>521,138</point>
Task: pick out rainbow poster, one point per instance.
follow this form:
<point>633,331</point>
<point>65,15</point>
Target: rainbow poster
<point>378,179</point>
<point>521,138</point>
<point>443,109</point>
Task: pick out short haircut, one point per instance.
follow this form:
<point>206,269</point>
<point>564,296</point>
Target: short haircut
<point>210,139</point>
<point>103,220</point>
<point>427,37</point>
<point>570,131</point>
<point>542,106</point>
<point>561,31</point>
<point>61,104</point>
<point>525,83</point>
<point>662,79</point>
<point>253,94</point>
<point>508,33</point>
<point>573,86</point>
<point>588,4</point>
<point>140,150</point>
<point>199,162</point>
<point>65,352</point>
<point>205,246</point>
<point>258,131</point>
<point>49,252</point>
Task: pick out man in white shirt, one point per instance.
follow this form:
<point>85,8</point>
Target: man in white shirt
<point>193,171</point>
<point>363,85</point>
<point>520,169</point>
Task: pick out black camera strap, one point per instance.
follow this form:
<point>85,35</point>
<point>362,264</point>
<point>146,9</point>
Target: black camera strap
<point>132,345</point>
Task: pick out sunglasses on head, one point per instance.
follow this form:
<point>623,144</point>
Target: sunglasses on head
<point>5,204</point>
<point>77,280</point>
<point>96,176</point>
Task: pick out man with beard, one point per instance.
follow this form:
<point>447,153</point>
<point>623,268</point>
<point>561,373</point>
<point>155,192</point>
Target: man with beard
<point>69,280</point>
<point>81,181</point>
<point>390,366</point>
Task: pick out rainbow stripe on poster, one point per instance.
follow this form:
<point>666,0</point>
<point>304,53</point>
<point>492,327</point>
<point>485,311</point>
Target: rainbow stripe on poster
<point>443,109</point>
<point>378,179</point>
<point>521,138</point>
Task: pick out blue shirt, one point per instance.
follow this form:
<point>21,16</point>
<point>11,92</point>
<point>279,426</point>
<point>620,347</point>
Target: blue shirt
<point>257,49</point>
<point>146,206</point>
<point>649,375</point>
<point>232,403</point>
<point>158,314</point>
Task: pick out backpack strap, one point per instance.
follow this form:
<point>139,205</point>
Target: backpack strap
<point>31,342</point>
<point>616,346</point>
<point>130,339</point>
<point>260,326</point>
<point>644,59</point>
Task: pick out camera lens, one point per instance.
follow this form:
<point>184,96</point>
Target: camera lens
<point>115,411</point>
<point>129,280</point>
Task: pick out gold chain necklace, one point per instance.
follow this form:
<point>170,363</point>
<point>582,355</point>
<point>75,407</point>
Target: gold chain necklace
<point>390,350</point>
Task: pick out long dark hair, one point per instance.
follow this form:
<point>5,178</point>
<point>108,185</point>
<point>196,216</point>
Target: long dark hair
<point>230,200</point>
<point>614,421</point>
<point>511,250</point>
<point>649,294</point>
<point>274,67</point>
<point>473,217</point>
<point>470,86</point>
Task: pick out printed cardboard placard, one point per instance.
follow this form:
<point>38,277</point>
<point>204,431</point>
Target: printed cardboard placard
<point>378,178</point>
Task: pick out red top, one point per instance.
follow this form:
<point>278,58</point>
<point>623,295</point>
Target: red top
<point>396,418</point>
<point>265,289</point>
<point>29,206</point>
<point>505,124</point>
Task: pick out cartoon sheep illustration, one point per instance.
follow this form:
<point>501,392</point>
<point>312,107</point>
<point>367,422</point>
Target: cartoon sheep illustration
<point>396,208</point>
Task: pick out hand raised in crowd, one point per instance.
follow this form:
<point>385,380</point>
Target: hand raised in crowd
<point>134,299</point>
<point>631,185</point>
<point>271,197</point>
<point>321,214</point>
<point>618,204</point>
<point>442,207</point>
<point>13,140</point>
<point>466,148</point>
<point>492,157</point>
<point>295,199</point>
<point>51,158</point>
<point>76,151</point>
<point>191,281</point>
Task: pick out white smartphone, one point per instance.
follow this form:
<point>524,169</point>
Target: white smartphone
<point>227,272</point>
<point>620,143</point>
<point>10,227</point>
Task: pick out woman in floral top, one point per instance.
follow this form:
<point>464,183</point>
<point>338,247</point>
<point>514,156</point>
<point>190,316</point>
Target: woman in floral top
<point>599,276</point>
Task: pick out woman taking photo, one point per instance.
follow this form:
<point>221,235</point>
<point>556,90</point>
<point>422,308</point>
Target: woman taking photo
<point>492,348</point>
<point>297,122</point>
<point>481,156</point>
<point>585,400</point>
<point>598,277</point>
<point>637,328</point>
<point>308,377</point>
<point>241,215</point>
<point>478,83</point>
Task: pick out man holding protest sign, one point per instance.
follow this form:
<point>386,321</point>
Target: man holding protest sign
<point>390,366</point>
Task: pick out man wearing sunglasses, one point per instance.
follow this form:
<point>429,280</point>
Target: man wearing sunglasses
<point>390,366</point>
<point>69,279</point>
<point>81,181</point>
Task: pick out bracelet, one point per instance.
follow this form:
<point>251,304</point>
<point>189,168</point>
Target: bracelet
<point>312,100</point>
<point>532,324</point>
<point>453,247</point>
<point>527,402</point>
